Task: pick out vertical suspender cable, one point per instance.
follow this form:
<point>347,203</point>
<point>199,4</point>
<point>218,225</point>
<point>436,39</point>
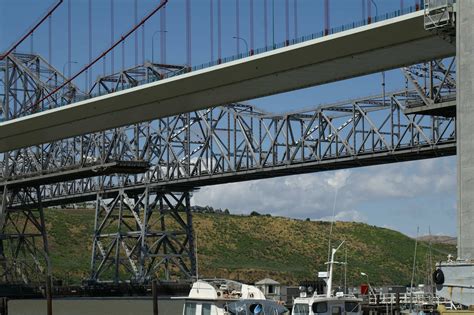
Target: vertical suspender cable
<point>211,15</point>
<point>123,55</point>
<point>112,35</point>
<point>364,14</point>
<point>31,43</point>
<point>252,41</point>
<point>287,22</point>
<point>143,43</point>
<point>103,54</point>
<point>237,25</point>
<point>265,22</point>
<point>188,32</point>
<point>295,17</point>
<point>14,46</point>
<point>163,35</point>
<point>69,38</point>
<point>327,22</point>
<point>369,12</point>
<point>90,44</point>
<point>401,4</point>
<point>219,30</point>
<point>50,39</point>
<point>135,21</point>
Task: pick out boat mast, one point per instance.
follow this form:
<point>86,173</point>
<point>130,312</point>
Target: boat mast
<point>413,269</point>
<point>331,268</point>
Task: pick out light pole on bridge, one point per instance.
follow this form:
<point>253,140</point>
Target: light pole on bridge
<point>242,39</point>
<point>64,67</point>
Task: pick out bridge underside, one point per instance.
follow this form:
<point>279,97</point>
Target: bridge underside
<point>178,185</point>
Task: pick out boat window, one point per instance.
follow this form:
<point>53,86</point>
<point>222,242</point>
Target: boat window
<point>271,289</point>
<point>190,309</point>
<point>206,309</point>
<point>320,307</point>
<point>336,310</point>
<point>256,309</point>
<point>301,309</point>
<point>351,307</point>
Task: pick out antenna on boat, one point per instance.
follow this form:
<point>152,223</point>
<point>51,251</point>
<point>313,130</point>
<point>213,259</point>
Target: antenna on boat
<point>413,270</point>
<point>332,222</point>
<point>196,257</point>
<point>331,269</point>
<point>430,262</point>
<point>345,270</point>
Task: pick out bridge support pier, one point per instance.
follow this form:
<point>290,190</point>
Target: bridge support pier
<point>141,236</point>
<point>457,282</point>
<point>24,254</point>
<point>465,129</point>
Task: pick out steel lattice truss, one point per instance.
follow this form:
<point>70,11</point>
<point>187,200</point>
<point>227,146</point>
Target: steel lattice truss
<point>131,171</point>
<point>226,140</point>
<point>25,79</point>
<point>24,253</point>
<point>143,237</point>
<point>239,142</point>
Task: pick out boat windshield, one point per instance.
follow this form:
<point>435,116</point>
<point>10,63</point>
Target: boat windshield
<point>190,309</point>
<point>352,307</point>
<point>301,309</point>
<point>320,307</point>
<point>206,309</point>
<point>245,307</point>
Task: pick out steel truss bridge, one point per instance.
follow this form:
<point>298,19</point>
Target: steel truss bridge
<point>142,176</point>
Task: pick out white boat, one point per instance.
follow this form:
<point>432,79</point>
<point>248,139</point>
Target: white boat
<point>227,297</point>
<point>333,303</point>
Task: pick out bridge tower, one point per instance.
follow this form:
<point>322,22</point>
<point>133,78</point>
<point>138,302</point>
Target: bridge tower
<point>143,235</point>
<point>24,254</point>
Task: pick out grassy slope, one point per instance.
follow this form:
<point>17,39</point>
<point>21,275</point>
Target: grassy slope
<point>250,248</point>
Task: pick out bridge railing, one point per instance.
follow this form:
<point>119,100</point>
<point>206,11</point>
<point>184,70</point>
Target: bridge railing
<point>415,298</point>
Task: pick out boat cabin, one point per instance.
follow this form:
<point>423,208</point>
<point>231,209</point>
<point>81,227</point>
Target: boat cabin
<point>310,303</point>
<point>321,305</point>
<point>226,297</point>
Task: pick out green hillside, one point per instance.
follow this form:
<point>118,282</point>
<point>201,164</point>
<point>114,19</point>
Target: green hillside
<point>250,248</point>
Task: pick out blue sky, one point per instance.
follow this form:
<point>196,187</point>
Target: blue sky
<point>400,196</point>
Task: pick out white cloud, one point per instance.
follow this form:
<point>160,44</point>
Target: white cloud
<point>339,179</point>
<point>403,180</point>
<point>297,196</point>
<point>348,215</point>
<point>312,195</point>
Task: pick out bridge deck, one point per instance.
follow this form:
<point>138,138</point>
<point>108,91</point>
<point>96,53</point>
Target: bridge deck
<point>369,159</point>
<point>368,49</point>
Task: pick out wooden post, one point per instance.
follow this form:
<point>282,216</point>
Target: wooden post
<point>398,303</point>
<point>49,295</point>
<point>4,306</point>
<point>154,292</point>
